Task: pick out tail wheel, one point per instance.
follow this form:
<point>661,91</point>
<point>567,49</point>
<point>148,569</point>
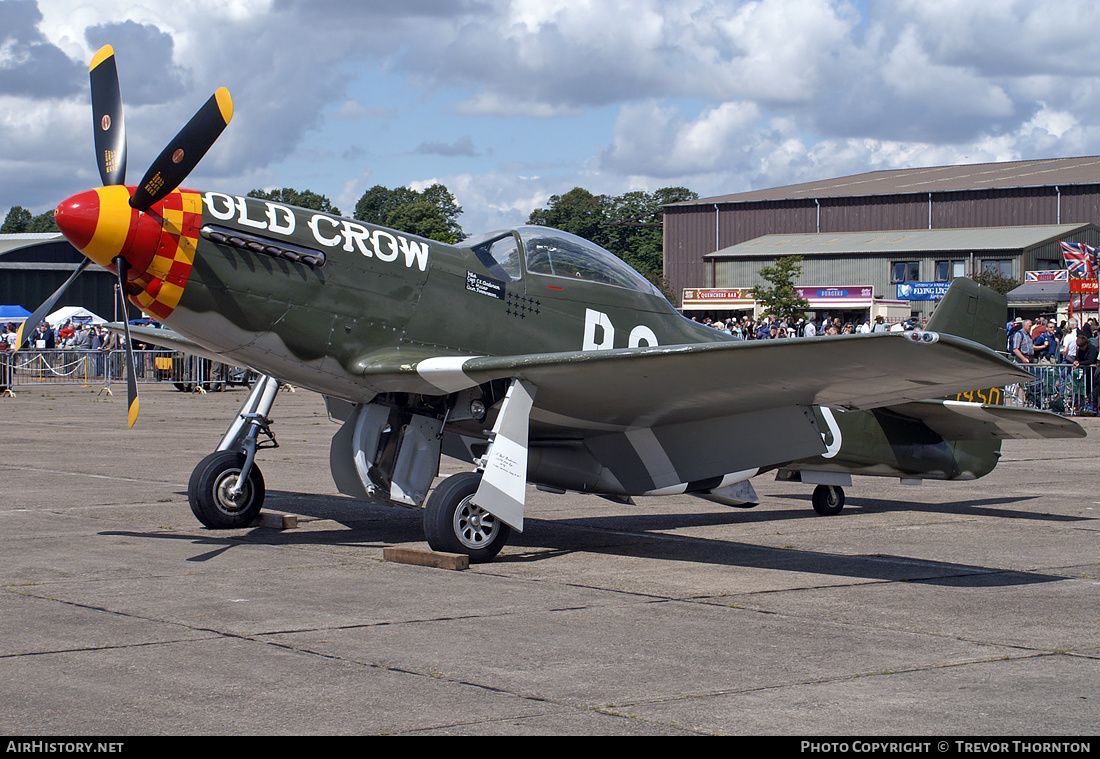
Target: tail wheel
<point>828,500</point>
<point>210,491</point>
<point>453,524</point>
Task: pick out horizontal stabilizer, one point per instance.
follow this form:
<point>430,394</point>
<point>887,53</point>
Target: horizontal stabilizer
<point>956,420</point>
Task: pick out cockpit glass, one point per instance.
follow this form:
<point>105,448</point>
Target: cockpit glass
<point>560,254</point>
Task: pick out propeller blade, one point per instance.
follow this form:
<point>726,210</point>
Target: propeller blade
<point>27,328</point>
<point>131,378</point>
<point>109,127</point>
<point>184,151</point>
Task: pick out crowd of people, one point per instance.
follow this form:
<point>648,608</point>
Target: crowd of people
<point>92,342</point>
<point>770,328</point>
<point>1051,342</point>
<point>1068,348</point>
<point>70,335</point>
<point>1070,345</point>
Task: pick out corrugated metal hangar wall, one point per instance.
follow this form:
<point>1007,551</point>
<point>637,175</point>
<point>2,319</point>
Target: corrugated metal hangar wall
<point>1051,191</point>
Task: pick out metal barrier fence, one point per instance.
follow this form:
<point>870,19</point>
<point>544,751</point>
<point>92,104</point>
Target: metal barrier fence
<point>5,373</point>
<point>94,368</point>
<point>1057,387</point>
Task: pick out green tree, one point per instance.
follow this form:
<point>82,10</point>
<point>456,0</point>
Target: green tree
<point>577,211</point>
<point>781,299</point>
<point>302,199</point>
<point>996,281</point>
<point>43,223</point>
<point>20,221</point>
<point>628,225</point>
<point>634,230</point>
<point>16,221</point>
<point>432,213</point>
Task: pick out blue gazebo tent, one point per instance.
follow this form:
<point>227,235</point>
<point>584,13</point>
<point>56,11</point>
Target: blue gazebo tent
<point>10,314</point>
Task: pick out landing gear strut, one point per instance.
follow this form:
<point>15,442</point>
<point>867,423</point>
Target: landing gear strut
<point>455,525</point>
<point>828,500</point>
<point>226,489</point>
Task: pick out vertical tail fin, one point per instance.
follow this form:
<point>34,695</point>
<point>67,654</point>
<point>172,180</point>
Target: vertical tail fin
<point>972,311</point>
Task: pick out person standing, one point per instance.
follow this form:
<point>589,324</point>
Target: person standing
<point>1069,342</point>
<point>1085,360</point>
<point>1022,348</point>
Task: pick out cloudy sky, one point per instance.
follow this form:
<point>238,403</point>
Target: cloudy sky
<point>507,102</point>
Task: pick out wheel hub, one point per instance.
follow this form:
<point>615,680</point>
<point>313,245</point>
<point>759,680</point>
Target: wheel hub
<point>474,526</point>
<point>223,492</point>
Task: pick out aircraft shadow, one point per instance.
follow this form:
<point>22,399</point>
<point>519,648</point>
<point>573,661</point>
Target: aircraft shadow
<point>636,536</point>
<point>980,507</point>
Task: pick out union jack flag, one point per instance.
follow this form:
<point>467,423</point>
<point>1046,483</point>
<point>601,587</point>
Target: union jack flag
<point>1080,259</point>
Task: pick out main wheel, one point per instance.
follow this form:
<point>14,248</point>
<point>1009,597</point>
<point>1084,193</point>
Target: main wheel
<point>454,525</point>
<point>209,494</point>
<point>828,499</point>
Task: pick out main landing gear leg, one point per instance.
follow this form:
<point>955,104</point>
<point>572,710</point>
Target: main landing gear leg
<point>474,512</point>
<point>226,489</point>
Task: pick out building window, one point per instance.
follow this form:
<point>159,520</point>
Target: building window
<point>1000,267</point>
<point>906,271</point>
<point>948,270</point>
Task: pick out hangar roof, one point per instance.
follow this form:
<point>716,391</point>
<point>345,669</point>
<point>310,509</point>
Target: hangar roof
<point>903,241</point>
<point>980,176</point>
<point>22,240</point>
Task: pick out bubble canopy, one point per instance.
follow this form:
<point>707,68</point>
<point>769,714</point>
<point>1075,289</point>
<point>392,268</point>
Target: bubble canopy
<point>554,253</point>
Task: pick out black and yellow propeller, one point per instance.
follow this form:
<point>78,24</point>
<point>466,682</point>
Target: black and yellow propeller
<point>167,172</point>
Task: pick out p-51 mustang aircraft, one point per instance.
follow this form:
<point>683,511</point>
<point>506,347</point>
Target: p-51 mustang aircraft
<point>530,353</point>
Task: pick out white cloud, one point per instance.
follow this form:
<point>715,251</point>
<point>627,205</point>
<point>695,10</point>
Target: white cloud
<point>653,140</point>
<point>773,50</point>
<point>610,95</point>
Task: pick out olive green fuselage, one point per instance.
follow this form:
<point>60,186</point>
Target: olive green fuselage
<point>380,292</point>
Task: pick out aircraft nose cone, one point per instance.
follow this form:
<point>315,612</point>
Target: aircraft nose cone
<point>77,217</point>
<point>99,223</point>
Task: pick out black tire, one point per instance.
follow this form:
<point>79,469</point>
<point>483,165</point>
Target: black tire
<point>828,500</point>
<point>454,525</point>
<point>208,496</point>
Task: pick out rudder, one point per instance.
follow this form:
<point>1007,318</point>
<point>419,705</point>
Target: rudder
<point>974,312</point>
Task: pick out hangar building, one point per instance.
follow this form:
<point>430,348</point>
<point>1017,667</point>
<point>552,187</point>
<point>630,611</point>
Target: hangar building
<point>1008,217</point>
<point>33,266</point>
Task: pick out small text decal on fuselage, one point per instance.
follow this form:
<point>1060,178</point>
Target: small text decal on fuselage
<point>327,230</point>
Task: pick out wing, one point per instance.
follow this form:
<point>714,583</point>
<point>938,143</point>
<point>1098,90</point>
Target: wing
<point>645,387</point>
<point>166,338</point>
<point>689,418</point>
